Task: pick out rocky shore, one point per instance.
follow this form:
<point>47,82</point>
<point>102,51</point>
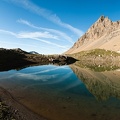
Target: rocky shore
<point>6,112</point>
<point>11,109</point>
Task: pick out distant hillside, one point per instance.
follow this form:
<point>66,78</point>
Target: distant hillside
<point>103,34</point>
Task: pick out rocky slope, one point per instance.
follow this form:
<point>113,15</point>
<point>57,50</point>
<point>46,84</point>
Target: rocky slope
<point>103,34</point>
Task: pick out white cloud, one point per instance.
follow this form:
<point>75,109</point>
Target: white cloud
<point>46,14</point>
<point>61,34</point>
<point>50,43</point>
<point>33,36</point>
<point>37,35</point>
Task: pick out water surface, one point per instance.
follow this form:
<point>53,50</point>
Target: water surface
<point>66,92</point>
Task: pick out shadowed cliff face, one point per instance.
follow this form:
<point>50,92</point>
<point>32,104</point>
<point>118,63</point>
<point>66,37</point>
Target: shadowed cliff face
<point>102,85</point>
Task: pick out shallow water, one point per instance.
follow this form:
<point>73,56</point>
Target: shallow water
<point>66,92</point>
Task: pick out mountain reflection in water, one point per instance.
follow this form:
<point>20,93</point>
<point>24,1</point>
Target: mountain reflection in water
<point>102,85</point>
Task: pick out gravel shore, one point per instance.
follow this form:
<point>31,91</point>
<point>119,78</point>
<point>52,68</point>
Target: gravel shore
<point>11,109</point>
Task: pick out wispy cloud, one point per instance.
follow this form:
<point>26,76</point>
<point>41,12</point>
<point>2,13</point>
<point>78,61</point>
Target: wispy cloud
<point>61,34</point>
<point>33,77</point>
<point>37,35</point>
<point>50,43</point>
<point>17,44</point>
<point>8,32</point>
<point>47,14</point>
<point>52,69</point>
<point>34,36</point>
<point>30,34</point>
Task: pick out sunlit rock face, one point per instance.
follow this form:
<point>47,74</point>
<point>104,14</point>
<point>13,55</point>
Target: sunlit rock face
<point>102,85</point>
<point>104,34</point>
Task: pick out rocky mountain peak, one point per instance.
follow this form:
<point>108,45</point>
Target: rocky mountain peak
<point>101,28</point>
<point>102,19</point>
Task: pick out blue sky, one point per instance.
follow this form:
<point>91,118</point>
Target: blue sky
<point>50,26</point>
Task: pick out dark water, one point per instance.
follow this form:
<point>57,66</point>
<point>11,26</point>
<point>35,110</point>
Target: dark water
<point>66,92</point>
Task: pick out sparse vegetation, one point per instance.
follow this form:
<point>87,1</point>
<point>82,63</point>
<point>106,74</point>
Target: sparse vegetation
<point>98,59</point>
<point>95,53</point>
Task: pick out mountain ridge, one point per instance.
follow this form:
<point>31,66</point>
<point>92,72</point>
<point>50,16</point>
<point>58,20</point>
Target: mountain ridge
<point>103,34</point>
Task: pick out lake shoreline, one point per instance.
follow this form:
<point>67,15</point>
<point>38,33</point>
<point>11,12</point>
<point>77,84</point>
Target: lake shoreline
<point>18,59</point>
<point>13,109</point>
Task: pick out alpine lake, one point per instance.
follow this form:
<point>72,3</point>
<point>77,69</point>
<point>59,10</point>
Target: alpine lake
<point>68,92</point>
